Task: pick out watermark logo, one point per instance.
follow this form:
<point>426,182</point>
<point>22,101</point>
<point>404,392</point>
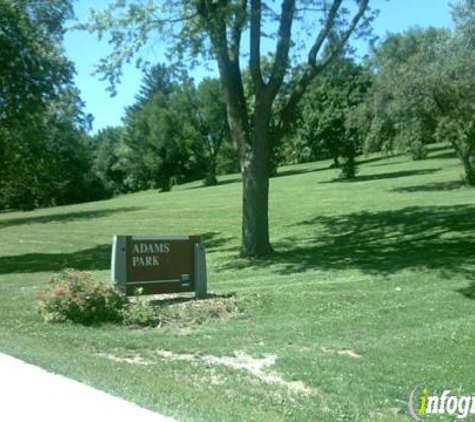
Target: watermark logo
<point>422,402</point>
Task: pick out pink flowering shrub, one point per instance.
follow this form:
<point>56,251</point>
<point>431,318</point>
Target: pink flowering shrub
<point>74,296</point>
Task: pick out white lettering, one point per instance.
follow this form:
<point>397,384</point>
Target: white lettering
<point>443,400</point>
<point>432,404</point>
<point>464,404</point>
<point>452,404</point>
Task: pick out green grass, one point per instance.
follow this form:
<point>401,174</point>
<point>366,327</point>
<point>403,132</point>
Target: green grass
<point>381,268</point>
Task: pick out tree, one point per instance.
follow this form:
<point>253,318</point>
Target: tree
<point>209,118</point>
<point>42,156</point>
<point>324,125</point>
<point>217,27</point>
<point>161,131</point>
<point>402,111</point>
<point>425,90</point>
<point>107,166</point>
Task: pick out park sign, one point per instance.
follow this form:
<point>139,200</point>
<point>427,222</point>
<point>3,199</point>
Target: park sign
<point>159,264</point>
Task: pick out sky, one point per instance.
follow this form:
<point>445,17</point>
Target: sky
<point>85,51</point>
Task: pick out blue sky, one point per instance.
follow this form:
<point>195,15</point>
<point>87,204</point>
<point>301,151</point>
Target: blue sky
<point>86,51</point>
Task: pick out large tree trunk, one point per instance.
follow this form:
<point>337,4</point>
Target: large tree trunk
<point>255,172</point>
<point>255,208</point>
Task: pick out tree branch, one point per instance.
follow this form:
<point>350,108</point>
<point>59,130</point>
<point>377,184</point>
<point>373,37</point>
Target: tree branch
<point>283,46</point>
<point>236,30</point>
<point>255,48</point>
<point>322,36</point>
<point>312,69</point>
<point>230,72</point>
<point>363,6</point>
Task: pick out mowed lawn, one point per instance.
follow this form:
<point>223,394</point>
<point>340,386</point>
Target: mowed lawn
<point>371,292</point>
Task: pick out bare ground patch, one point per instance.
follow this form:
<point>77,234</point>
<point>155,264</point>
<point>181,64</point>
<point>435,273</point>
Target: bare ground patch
<point>258,367</point>
<point>134,360</point>
<point>343,351</point>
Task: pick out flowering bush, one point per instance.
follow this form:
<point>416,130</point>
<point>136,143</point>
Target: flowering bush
<point>74,296</point>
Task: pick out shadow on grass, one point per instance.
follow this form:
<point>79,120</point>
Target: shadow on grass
<point>93,259</point>
<point>381,243</point>
<point>97,258</point>
<point>64,218</point>
<point>220,183</point>
<point>469,291</point>
<point>443,155</point>
<point>431,187</point>
<point>379,157</point>
<point>214,240</point>
<point>295,172</point>
<point>380,176</point>
<point>444,147</point>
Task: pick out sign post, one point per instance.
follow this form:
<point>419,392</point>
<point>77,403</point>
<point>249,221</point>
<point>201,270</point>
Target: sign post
<point>159,264</point>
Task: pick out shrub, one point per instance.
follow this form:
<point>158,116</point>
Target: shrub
<point>140,313</point>
<point>418,150</point>
<point>74,296</point>
<point>348,168</point>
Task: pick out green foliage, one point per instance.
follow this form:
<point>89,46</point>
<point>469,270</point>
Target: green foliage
<point>328,125</point>
<point>139,312</point>
<point>28,81</point>
<point>44,157</point>
<point>107,166</point>
<point>399,111</point>
<point>75,296</point>
<point>424,91</point>
<point>174,133</point>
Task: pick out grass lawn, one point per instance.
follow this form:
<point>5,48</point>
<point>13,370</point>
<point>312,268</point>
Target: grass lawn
<point>371,292</point>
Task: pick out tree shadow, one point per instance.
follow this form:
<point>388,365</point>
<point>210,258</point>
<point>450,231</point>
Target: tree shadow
<point>93,259</point>
<point>64,218</point>
<point>377,158</point>
<point>439,148</point>
<point>220,183</point>
<point>213,240</point>
<point>432,187</point>
<point>469,291</point>
<point>380,176</point>
<point>443,155</point>
<point>295,172</point>
<point>381,243</point>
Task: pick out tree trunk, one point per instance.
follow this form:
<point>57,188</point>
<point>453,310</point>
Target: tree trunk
<point>469,169</point>
<point>255,173</point>
<point>465,155</point>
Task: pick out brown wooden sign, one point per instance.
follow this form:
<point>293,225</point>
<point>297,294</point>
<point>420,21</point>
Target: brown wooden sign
<point>158,264</point>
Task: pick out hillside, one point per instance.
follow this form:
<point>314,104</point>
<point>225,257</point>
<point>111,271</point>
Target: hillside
<point>369,294</point>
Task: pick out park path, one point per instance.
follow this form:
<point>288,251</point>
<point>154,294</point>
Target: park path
<point>29,393</point>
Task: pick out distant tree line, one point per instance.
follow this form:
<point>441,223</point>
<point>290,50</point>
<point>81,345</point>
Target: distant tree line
<point>414,88</point>
<point>174,133</point>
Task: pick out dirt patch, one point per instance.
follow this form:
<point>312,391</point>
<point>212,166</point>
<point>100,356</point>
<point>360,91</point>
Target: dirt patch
<point>344,351</point>
<point>134,360</point>
<point>258,367</point>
